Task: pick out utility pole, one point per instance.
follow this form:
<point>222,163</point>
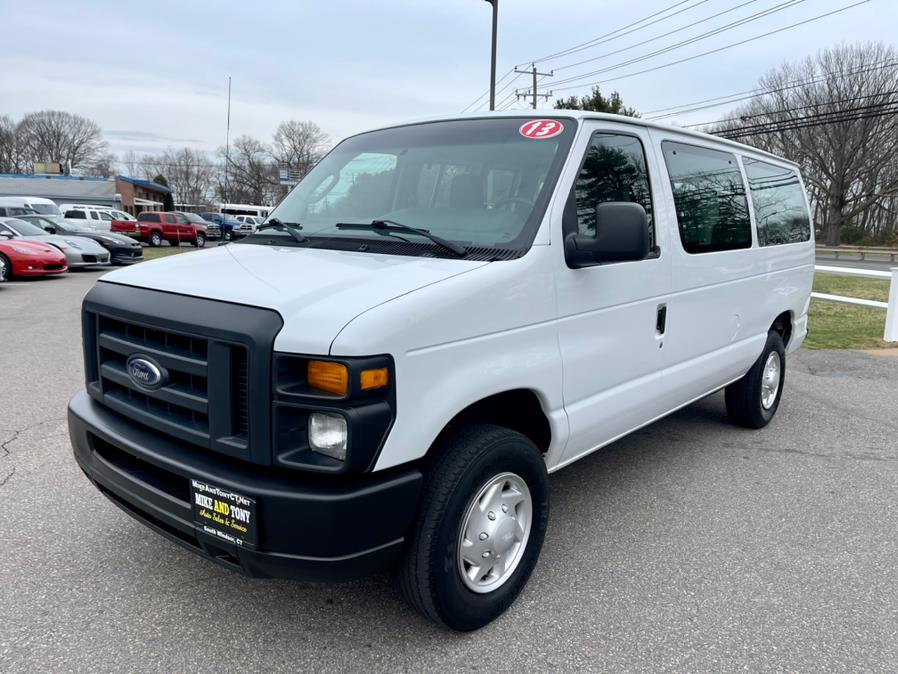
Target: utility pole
<point>495,4</point>
<point>532,94</point>
<point>227,194</point>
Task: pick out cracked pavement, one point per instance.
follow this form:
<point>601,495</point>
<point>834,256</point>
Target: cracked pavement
<point>691,545</point>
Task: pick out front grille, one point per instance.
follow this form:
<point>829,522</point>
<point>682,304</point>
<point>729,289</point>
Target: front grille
<point>90,258</point>
<point>53,267</point>
<point>217,357</point>
<point>181,407</point>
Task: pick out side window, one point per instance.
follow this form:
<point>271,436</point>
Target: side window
<point>614,169</point>
<point>105,216</point>
<point>93,215</point>
<point>4,229</point>
<point>777,199</point>
<point>76,215</point>
<point>171,219</point>
<point>712,210</point>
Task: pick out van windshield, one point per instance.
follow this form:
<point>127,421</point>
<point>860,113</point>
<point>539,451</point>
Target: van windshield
<point>46,209</point>
<point>483,183</point>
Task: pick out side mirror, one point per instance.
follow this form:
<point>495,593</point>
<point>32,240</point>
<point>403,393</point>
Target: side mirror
<point>5,235</point>
<point>51,230</point>
<point>622,235</point>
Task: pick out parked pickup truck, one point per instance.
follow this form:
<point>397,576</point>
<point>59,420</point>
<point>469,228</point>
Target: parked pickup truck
<point>154,227</point>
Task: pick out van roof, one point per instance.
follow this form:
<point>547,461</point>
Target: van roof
<point>588,114</point>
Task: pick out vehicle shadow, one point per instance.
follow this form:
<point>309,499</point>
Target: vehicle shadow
<point>369,613</point>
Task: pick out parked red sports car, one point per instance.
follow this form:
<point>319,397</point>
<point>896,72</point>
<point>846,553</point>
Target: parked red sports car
<point>29,258</point>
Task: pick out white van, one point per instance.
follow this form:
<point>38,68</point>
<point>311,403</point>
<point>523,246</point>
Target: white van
<point>93,217</point>
<point>438,316</point>
<point>39,205</point>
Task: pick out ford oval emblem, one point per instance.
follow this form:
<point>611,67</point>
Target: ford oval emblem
<point>145,372</point>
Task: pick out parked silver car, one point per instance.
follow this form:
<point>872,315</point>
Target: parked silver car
<point>79,251</point>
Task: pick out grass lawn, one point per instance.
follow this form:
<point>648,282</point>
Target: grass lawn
<point>833,325</point>
<point>164,251</point>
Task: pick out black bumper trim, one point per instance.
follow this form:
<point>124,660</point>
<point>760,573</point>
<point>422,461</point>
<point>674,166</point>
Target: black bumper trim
<point>309,528</point>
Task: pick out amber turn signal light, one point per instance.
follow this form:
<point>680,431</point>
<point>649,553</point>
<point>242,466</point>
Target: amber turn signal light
<point>371,379</point>
<point>329,377</point>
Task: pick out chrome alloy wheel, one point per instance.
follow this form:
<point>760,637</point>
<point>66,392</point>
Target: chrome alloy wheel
<point>494,533</point>
<point>770,380</point>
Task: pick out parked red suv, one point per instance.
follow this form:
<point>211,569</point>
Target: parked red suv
<point>154,227</point>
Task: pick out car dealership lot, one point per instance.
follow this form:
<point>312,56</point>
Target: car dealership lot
<point>691,545</point>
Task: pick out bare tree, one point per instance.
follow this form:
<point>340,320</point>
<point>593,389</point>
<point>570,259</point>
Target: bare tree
<point>190,173</point>
<point>103,165</point>
<point>297,146</point>
<point>57,136</point>
<point>251,174</point>
<point>837,115</point>
<point>12,157</point>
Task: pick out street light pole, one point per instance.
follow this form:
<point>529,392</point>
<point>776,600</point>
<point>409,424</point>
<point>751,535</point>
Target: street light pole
<point>495,4</point>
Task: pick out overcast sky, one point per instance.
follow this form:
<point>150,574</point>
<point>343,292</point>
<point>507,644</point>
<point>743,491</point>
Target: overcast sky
<point>154,74</point>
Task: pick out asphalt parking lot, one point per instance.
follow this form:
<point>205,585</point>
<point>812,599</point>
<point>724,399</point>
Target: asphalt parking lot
<point>692,545</point>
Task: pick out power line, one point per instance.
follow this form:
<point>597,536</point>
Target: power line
<point>657,37</point>
<point>720,49</point>
<point>476,103</point>
<point>487,92</point>
<point>717,101</point>
<point>815,120</point>
<point>698,38</point>
<point>614,34</point>
<point>794,109</point>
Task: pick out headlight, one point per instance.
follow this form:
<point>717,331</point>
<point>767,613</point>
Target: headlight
<point>332,416</point>
<point>73,244</point>
<point>328,434</point>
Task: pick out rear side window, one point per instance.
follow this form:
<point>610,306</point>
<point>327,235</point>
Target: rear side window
<point>149,217</point>
<point>76,215</point>
<point>712,209</point>
<point>614,169</point>
<point>170,218</point>
<point>778,202</point>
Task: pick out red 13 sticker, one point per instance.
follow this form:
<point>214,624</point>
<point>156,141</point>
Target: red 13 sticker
<point>541,128</point>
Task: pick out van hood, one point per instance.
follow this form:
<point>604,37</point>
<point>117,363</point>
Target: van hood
<point>316,292</point>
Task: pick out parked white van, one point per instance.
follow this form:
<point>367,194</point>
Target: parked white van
<point>438,316</point>
<point>39,205</point>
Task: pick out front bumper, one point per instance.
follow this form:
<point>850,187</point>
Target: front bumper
<point>79,259</point>
<point>309,528</point>
<point>125,254</point>
<point>37,267</point>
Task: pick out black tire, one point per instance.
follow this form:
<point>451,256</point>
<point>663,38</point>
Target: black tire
<point>428,575</point>
<point>200,240</point>
<point>6,266</point>
<point>743,397</point>
<point>155,239</point>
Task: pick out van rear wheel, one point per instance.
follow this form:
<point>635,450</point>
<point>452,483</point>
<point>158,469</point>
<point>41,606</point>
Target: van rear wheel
<point>753,400</point>
<point>480,528</point>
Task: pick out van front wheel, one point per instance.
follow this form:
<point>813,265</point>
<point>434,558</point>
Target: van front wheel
<point>753,400</point>
<point>480,529</point>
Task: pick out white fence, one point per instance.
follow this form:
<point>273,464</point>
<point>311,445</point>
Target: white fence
<point>891,307</point>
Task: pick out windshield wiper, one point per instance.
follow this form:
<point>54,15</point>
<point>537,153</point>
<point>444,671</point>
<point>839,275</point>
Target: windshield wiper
<point>393,226</point>
<point>292,228</point>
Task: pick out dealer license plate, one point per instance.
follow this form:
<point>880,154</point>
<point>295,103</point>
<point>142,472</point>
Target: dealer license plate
<point>224,514</point>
